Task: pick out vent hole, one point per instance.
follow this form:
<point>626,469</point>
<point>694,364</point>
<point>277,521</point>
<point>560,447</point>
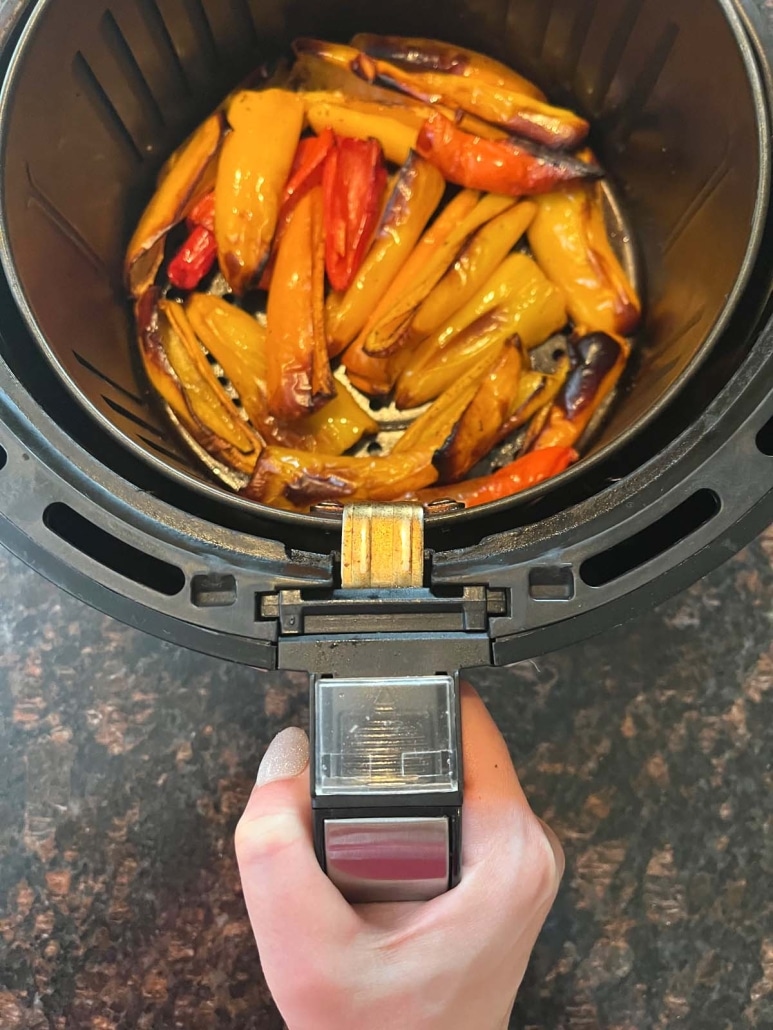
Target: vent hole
<point>765,439</point>
<point>3,458</point>
<point>653,541</point>
<point>213,591</point>
<point>551,583</point>
<point>115,554</point>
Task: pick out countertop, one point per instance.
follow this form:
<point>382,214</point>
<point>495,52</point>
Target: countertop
<point>125,762</point>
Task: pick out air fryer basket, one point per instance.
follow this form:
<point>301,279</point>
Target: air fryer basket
<point>96,98</point>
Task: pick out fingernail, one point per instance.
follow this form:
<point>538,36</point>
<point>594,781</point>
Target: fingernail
<point>287,756</point>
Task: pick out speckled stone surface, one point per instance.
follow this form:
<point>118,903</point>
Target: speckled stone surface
<point>125,762</point>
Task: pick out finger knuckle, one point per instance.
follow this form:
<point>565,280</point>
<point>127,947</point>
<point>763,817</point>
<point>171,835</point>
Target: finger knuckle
<point>262,837</point>
<point>543,862</point>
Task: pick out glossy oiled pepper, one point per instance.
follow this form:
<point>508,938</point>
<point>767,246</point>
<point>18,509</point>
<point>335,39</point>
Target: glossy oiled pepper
<point>377,374</point>
<point>474,265</point>
<point>297,480</point>
<point>480,423</point>
<point>194,260</point>
<point>552,127</point>
<point>353,182</point>
<point>254,167</point>
<point>433,427</point>
<point>305,174</point>
<point>188,175</point>
<point>237,341</point>
<point>396,135</point>
<point>569,239</point>
<point>389,330</point>
<point>308,168</point>
<point>299,376</point>
<point>519,475</point>
<point>415,195</point>
<point>516,299</point>
<point>599,362</point>
<point>206,398</point>
<point>416,54</point>
<point>338,426</point>
<point>203,213</point>
<point>496,166</point>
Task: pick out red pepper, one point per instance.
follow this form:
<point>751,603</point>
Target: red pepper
<point>496,166</point>
<point>353,181</point>
<point>519,475</point>
<point>305,174</point>
<point>193,260</point>
<point>203,213</point>
<point>307,168</point>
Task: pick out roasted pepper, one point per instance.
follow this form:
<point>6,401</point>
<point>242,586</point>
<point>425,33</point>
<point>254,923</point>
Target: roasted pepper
<point>338,426</point>
<point>519,475</point>
<point>552,127</point>
<point>480,423</point>
<point>599,362</point>
<point>306,172</point>
<point>396,138</point>
<point>425,268</point>
<point>299,376</point>
<point>518,298</point>
<point>377,374</point>
<point>296,480</point>
<point>536,391</point>
<point>203,213</point>
<point>194,260</point>
<point>187,176</point>
<point>433,427</point>
<point>431,55</point>
<point>254,166</point>
<point>353,182</point>
<point>569,239</point>
<point>308,168</point>
<point>414,197</point>
<point>476,263</point>
<point>496,166</point>
<point>237,341</point>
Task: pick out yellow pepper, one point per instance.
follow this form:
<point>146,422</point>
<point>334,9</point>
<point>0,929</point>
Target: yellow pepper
<point>378,374</point>
<point>568,237</point>
<point>339,425</point>
<point>433,427</point>
<point>254,166</point>
<point>237,341</point>
<point>186,177</point>
<point>432,54</point>
<point>206,398</point>
<point>517,299</point>
<point>480,423</point>
<point>415,195</point>
<point>299,376</point>
<point>296,480</point>
<point>476,263</point>
<point>397,139</point>
<point>389,331</point>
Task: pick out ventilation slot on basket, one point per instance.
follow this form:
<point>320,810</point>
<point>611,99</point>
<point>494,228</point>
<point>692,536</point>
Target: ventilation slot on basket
<point>551,583</point>
<point>765,439</point>
<point>651,542</point>
<point>209,590</point>
<point>3,458</point>
<point>104,107</point>
<point>115,554</point>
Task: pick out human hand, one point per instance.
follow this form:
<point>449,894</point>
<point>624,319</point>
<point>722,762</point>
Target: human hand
<point>455,962</point>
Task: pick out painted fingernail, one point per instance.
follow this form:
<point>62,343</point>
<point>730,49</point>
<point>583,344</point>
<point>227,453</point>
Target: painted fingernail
<point>287,756</point>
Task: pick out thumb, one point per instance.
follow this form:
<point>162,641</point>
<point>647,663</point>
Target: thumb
<point>289,899</point>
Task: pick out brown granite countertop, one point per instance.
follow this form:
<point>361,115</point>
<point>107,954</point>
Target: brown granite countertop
<point>125,763</point>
